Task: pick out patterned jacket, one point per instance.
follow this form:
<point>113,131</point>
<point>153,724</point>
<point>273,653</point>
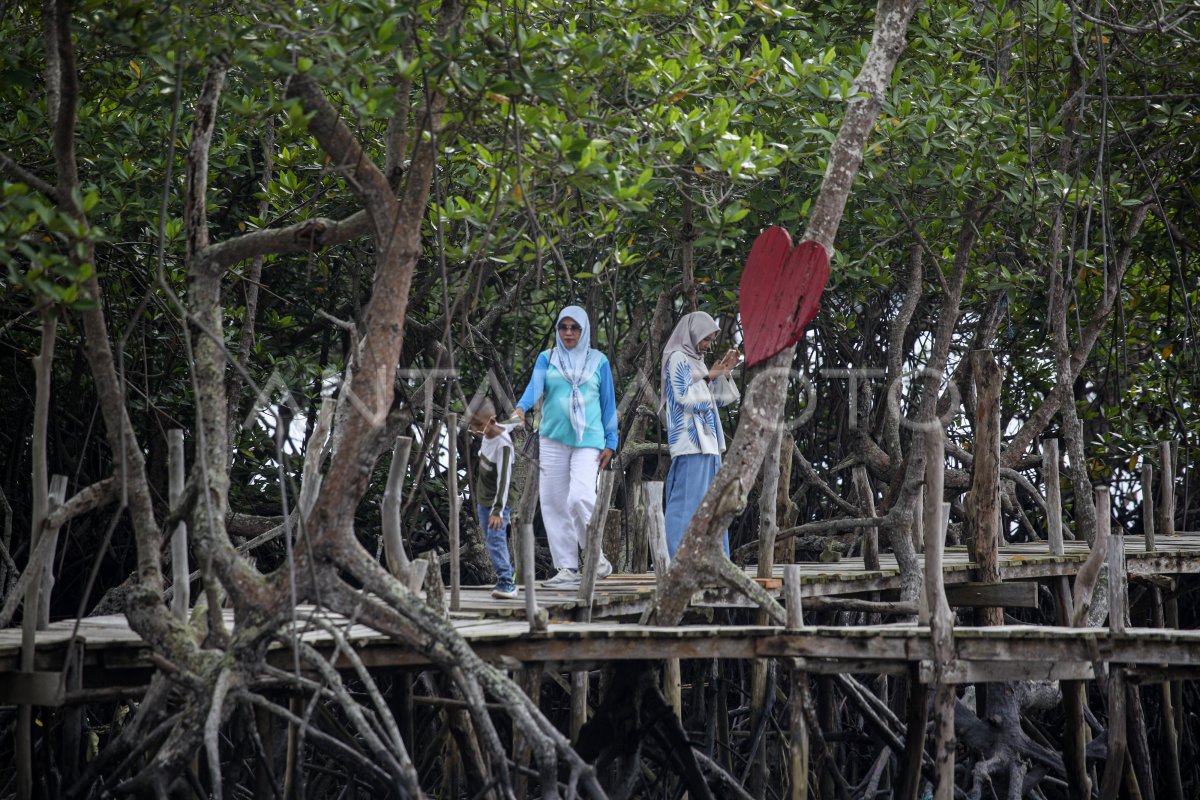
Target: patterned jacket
<point>691,409</point>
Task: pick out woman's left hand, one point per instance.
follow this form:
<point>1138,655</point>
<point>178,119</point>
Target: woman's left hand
<point>605,456</point>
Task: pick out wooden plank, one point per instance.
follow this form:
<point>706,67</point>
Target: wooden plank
<point>843,666</point>
<point>31,688</point>
<point>1004,671</point>
<point>1010,594</point>
<point>1155,674</point>
<point>877,648</point>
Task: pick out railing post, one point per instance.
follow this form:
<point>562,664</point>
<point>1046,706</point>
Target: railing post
<point>941,619</point>
<point>1054,534</point>
<point>452,491</point>
<point>181,590</point>
<point>1166,497</point>
<point>593,551</point>
<point>657,535</point>
<point>798,728</point>
<point>1148,506</point>
<point>58,496</point>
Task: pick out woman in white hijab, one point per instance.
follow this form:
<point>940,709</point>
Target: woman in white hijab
<point>577,438</point>
<point>691,394</point>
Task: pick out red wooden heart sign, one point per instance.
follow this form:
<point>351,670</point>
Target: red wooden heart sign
<point>781,288</point>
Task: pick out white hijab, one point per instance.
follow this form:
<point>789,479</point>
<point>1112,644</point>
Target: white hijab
<point>577,365</point>
<point>689,332</point>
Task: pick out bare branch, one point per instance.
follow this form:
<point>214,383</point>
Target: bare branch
<point>1037,422</point>
<point>366,180</point>
<point>25,176</point>
<point>98,495</point>
<point>308,236</point>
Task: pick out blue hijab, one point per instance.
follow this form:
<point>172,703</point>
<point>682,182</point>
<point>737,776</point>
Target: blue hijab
<point>577,365</point>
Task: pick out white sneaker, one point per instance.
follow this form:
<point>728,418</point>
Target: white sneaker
<point>605,569</point>
<point>565,579</point>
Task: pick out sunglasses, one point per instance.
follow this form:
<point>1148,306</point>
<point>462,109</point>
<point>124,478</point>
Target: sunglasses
<point>480,428</point>
<point>575,328</point>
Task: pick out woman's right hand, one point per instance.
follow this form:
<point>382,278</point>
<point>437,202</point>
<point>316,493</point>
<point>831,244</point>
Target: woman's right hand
<point>725,365</point>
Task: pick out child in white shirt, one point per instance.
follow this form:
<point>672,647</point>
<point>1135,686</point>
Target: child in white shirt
<point>492,484</point>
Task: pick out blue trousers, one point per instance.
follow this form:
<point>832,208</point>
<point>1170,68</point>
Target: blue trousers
<point>687,481</point>
<point>497,543</point>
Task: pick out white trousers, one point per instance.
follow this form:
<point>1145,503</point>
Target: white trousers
<point>567,489</point>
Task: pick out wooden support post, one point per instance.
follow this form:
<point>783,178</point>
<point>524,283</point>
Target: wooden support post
<point>656,533</point>
<point>1166,527</point>
<point>1118,740</point>
<point>1075,693</point>
<point>866,501</point>
<point>724,749</point>
<point>452,491</point>
<point>1054,533</point>
<point>264,767</point>
<point>635,552</point>
<point>39,480</point>
<point>592,551</point>
<point>768,529</point>
<point>1114,766</point>
<point>798,728</point>
<point>579,700</point>
<point>393,498</point>
<point>941,619</point>
<point>292,769</point>
<point>536,622</point>
<point>1118,602</point>
<point>525,563</point>
<point>1139,771</point>
<point>1054,526</point>
<point>592,554</point>
<point>1174,776</point>
<point>983,500</point>
<point>1075,738</point>
<point>1075,730</point>
<point>181,590</point>
<point>530,681</point>
<point>656,529</point>
<point>908,783</point>
<point>792,597</point>
<point>673,684</point>
<point>1166,497</point>
<point>58,496</point>
<point>72,715</point>
<point>1171,612</point>
<point>1148,507</point>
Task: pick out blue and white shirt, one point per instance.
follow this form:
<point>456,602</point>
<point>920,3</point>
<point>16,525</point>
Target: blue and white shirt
<point>691,409</point>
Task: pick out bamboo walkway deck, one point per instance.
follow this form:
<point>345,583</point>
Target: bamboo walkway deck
<point>114,658</point>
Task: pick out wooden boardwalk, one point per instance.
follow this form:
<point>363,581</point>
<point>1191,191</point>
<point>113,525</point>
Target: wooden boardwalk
<point>114,658</point>
<point>630,594</point>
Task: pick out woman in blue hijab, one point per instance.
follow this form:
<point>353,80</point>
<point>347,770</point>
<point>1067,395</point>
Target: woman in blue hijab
<point>578,437</point>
